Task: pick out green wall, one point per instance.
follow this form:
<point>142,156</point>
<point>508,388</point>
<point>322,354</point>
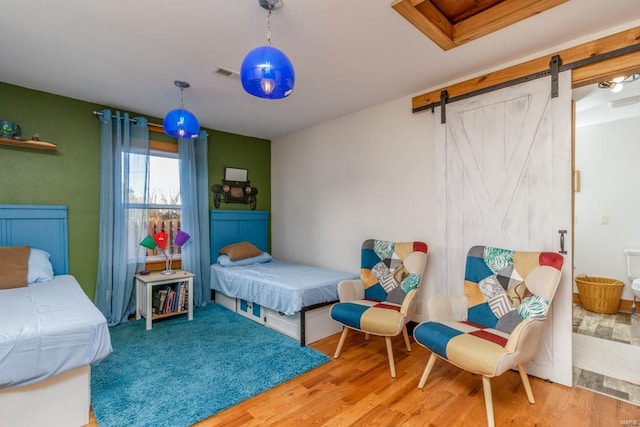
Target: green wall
<point>71,175</point>
<point>236,151</point>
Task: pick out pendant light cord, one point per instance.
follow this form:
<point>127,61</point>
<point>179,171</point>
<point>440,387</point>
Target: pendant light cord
<point>269,25</point>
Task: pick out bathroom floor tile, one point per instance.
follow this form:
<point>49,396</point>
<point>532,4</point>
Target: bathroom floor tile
<point>615,384</point>
<point>634,393</point>
<point>607,320</point>
<point>623,318</point>
<point>604,332</point>
<point>620,327</point>
<point>622,333</point>
<point>615,393</point>
<point>590,380</point>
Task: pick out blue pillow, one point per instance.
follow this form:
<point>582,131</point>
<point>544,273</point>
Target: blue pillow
<point>40,269</point>
<point>224,260</point>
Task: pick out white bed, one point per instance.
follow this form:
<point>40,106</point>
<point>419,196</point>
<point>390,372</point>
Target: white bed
<point>48,328</point>
<point>50,332</point>
<point>282,286</point>
<point>289,297</point>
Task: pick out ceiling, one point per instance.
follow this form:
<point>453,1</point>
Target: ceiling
<point>348,55</point>
<point>595,105</point>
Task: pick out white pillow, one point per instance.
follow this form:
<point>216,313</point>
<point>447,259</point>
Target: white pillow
<point>224,260</point>
<point>40,269</point>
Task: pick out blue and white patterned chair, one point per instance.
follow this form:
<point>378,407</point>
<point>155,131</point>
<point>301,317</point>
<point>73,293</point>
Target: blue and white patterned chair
<point>498,324</point>
<point>384,298</point>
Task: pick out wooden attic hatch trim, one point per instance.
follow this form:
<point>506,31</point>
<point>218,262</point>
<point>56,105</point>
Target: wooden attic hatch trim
<point>426,16</point>
<point>616,64</point>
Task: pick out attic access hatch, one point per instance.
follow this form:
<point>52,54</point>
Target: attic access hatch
<point>451,23</point>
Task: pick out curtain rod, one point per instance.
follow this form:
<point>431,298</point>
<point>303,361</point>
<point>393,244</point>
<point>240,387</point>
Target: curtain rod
<point>113,116</point>
<point>154,127</point>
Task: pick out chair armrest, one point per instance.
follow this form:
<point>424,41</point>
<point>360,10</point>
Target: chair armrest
<point>350,290</point>
<point>526,337</point>
<point>409,303</point>
<point>523,344</point>
<point>447,307</point>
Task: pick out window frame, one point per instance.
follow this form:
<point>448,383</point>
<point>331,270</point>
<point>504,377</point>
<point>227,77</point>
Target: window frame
<point>157,262</point>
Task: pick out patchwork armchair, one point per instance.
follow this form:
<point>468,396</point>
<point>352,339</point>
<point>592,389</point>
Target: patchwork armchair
<point>499,322</point>
<point>384,298</point>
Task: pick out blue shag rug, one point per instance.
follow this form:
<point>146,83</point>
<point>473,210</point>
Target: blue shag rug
<point>181,371</point>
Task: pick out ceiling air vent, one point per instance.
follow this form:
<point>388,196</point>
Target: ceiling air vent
<point>225,72</point>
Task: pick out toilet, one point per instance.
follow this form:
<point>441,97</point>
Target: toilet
<point>633,271</point>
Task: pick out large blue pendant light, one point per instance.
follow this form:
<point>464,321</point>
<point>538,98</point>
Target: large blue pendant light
<point>266,72</point>
<point>181,123</point>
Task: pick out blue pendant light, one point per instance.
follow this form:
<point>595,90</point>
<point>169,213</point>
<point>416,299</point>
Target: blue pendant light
<point>266,72</point>
<point>181,123</point>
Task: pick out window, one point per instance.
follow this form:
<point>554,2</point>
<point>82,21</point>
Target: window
<point>164,203</point>
<point>164,197</point>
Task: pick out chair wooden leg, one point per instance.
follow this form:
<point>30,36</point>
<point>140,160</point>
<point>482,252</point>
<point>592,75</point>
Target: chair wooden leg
<point>406,338</point>
<point>392,365</point>
<point>427,370</point>
<point>343,337</point>
<point>526,383</point>
<point>488,401</point>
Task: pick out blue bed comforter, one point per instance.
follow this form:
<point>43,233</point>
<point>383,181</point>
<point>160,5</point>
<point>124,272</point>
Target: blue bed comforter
<point>279,285</point>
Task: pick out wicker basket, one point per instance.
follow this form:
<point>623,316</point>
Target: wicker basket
<point>599,294</point>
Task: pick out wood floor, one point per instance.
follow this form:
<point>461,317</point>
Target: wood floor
<point>357,390</point>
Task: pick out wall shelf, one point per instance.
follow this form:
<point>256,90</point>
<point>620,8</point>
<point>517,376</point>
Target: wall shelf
<point>38,145</point>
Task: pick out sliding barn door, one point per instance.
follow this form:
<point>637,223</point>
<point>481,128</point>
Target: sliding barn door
<point>503,178</point>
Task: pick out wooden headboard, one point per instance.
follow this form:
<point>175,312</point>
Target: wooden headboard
<point>39,226</point>
<point>228,227</point>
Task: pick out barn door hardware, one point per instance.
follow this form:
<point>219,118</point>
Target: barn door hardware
<point>555,64</point>
<point>444,97</point>
<point>555,67</point>
<point>562,233</point>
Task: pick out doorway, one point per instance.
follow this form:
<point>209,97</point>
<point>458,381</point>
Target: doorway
<point>606,347</point>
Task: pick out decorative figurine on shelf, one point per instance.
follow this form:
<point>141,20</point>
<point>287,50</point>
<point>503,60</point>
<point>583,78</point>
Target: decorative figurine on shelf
<point>161,240</point>
<point>235,188</point>
<point>9,129</point>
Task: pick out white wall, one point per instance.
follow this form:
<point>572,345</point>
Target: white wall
<point>366,175</point>
<point>608,158</point>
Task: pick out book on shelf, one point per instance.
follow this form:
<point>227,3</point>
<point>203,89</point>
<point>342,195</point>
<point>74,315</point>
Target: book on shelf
<point>172,299</point>
<point>162,296</point>
<point>155,305</point>
<point>181,296</point>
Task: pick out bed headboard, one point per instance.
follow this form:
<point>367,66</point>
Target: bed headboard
<point>39,226</point>
<point>228,227</point>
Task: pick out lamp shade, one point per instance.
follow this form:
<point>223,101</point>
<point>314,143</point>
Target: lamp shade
<point>181,123</point>
<point>266,72</point>
<point>162,239</point>
<point>182,237</point>
<point>149,243</point>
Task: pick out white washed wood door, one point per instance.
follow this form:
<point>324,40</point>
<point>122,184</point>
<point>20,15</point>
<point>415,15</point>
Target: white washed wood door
<point>503,179</point>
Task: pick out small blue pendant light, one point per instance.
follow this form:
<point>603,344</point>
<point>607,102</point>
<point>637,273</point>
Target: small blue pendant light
<point>266,72</point>
<point>181,123</point>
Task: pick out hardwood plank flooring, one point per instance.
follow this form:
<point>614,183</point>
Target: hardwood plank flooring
<point>357,390</point>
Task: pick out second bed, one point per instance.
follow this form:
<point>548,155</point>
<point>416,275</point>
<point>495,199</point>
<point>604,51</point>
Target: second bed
<point>289,297</point>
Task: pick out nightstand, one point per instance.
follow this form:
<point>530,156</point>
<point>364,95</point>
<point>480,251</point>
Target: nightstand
<point>159,296</point>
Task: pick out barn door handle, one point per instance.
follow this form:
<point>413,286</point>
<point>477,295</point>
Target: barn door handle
<point>562,233</point>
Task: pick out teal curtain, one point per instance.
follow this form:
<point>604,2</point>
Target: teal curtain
<point>124,180</point>
<point>194,190</point>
